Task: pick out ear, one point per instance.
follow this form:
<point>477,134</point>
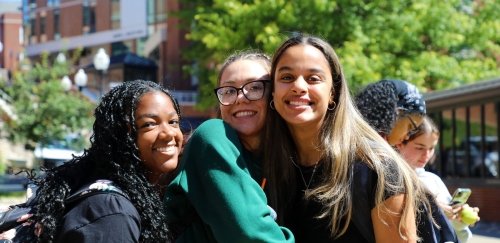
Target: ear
<point>332,97</point>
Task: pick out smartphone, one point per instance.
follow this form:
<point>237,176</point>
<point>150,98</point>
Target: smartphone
<point>460,196</point>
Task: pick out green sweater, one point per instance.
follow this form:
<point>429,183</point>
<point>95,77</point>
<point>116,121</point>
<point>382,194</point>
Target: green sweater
<point>216,195</point>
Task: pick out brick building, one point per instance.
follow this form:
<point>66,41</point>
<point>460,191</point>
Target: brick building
<point>142,39</point>
<point>11,39</point>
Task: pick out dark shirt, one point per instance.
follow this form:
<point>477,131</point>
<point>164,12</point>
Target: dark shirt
<point>107,217</point>
<point>301,216</point>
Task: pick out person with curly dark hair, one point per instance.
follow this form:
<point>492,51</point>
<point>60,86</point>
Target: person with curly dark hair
<point>392,107</point>
<point>396,110</point>
<point>136,140</point>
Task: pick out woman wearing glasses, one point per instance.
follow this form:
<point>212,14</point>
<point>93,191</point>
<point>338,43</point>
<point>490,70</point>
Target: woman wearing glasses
<point>395,109</point>
<point>418,150</point>
<point>217,195</point>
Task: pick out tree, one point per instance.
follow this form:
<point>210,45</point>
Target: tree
<point>433,44</point>
<point>45,112</point>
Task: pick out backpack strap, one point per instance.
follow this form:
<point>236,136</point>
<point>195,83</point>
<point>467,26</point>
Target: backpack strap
<point>96,187</point>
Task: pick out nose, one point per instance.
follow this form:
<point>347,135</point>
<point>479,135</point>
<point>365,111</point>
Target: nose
<point>167,132</point>
<point>428,154</point>
<point>240,97</point>
<point>299,85</point>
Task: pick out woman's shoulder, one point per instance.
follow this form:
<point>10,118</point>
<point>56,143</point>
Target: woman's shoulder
<point>213,129</point>
<point>101,205</point>
<point>108,216</point>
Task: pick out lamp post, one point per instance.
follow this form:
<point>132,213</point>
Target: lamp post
<point>101,64</point>
<point>66,83</point>
<point>80,79</point>
<point>61,58</point>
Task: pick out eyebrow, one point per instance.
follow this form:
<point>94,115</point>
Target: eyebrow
<point>312,70</point>
<point>153,115</point>
<point>264,77</point>
<point>420,144</point>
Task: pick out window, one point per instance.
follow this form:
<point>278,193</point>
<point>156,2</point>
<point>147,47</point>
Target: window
<point>156,11</point>
<point>115,14</point>
<point>161,12</point>
<point>88,17</point>
<point>53,3</point>
<point>33,26</point>
<point>42,25</point>
<point>57,34</point>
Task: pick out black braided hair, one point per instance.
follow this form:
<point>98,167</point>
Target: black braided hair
<point>113,155</point>
<point>377,102</point>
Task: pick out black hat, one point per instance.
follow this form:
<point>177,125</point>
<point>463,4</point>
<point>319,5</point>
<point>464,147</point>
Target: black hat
<point>409,99</point>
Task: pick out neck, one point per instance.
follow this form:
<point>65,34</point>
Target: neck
<point>251,143</point>
<point>306,140</point>
<point>154,178</point>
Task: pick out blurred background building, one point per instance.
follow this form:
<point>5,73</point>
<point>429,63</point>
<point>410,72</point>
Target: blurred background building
<point>116,41</point>
<point>141,38</point>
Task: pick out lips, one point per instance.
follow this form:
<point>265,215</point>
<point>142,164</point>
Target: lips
<point>171,148</point>
<point>299,102</point>
<point>246,113</point>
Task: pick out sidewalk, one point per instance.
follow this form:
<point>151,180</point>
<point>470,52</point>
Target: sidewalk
<point>486,232</point>
<point>483,239</point>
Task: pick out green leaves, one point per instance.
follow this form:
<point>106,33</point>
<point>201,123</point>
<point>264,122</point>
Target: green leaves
<point>433,44</point>
<point>45,112</point>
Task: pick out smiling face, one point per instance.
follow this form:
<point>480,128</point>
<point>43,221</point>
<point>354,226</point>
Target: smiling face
<point>302,86</point>
<point>420,150</point>
<point>245,116</point>
<point>159,137</point>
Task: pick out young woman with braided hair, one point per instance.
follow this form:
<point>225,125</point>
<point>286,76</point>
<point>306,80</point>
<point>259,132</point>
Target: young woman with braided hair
<point>136,141</point>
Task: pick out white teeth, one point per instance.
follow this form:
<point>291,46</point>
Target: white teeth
<point>166,149</point>
<point>244,113</point>
<point>298,103</point>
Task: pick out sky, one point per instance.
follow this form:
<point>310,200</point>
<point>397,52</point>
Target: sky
<point>10,5</point>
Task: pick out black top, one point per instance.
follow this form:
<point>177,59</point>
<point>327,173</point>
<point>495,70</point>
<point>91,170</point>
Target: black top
<point>106,217</point>
<point>301,214</point>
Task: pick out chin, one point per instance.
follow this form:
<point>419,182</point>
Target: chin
<point>169,166</point>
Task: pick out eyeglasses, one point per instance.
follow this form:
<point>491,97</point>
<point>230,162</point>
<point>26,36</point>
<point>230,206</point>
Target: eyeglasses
<point>402,112</point>
<point>227,95</point>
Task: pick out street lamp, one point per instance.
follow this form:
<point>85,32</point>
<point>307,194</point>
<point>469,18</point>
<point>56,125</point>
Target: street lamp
<point>61,58</point>
<point>66,83</point>
<point>101,64</point>
<point>80,79</point>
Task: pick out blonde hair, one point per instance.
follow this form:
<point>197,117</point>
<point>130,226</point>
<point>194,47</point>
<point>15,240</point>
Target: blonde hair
<point>345,138</point>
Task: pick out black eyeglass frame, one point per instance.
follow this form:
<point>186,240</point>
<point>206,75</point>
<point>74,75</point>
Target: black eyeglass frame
<point>263,81</point>
<point>404,113</point>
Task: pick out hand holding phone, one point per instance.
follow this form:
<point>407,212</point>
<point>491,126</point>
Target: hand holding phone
<point>460,196</point>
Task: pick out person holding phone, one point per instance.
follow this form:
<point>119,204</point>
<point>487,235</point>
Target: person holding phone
<point>418,150</point>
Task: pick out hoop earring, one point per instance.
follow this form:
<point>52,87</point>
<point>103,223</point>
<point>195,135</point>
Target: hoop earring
<point>332,107</point>
<point>271,105</point>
